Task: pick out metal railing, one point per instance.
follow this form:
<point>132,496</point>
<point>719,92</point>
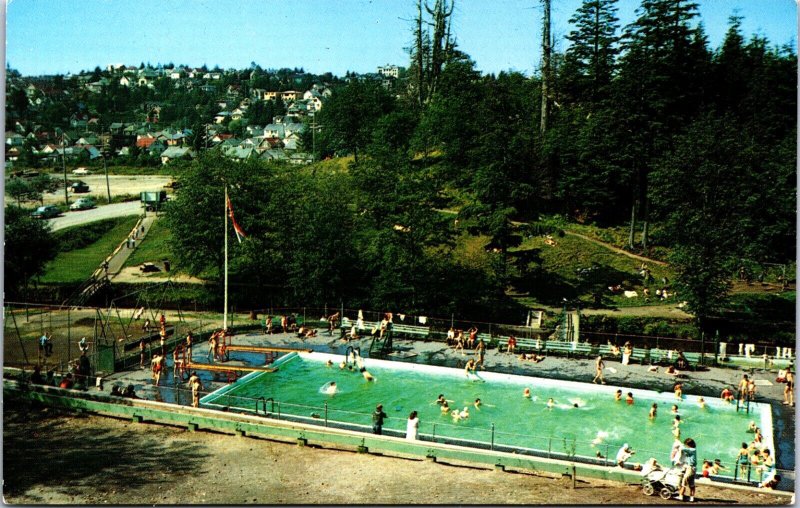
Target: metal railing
<point>564,447</point>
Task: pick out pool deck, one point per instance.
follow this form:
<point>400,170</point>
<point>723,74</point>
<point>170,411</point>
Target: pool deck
<point>708,383</point>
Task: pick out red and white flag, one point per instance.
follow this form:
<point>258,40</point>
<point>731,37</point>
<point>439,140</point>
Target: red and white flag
<point>236,227</point>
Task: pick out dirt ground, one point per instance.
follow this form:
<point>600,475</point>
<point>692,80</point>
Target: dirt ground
<point>134,275</point>
<point>51,457</point>
<point>120,185</point>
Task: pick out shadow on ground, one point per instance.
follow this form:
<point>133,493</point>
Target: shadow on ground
<point>75,458</point>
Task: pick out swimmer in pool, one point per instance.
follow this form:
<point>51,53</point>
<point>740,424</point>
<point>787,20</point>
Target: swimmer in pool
<point>363,370</point>
<point>701,402</point>
<point>455,414</point>
<point>342,365</point>
<point>653,411</point>
<point>477,403</point>
<point>440,400</point>
<point>445,407</point>
<point>629,399</point>
<point>331,389</point>
<point>465,413</point>
<point>526,393</point>
<point>550,403</point>
<point>329,363</point>
<point>618,395</point>
<point>674,409</point>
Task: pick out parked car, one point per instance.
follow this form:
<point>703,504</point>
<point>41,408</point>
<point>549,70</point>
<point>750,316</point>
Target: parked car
<point>46,212</point>
<point>81,171</point>
<point>79,187</point>
<point>82,204</point>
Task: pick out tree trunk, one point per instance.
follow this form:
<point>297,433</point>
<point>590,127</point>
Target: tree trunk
<point>631,237</point>
<point>420,62</point>
<point>645,225</point>
<point>545,66</point>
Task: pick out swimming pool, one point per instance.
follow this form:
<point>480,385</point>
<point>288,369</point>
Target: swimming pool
<point>505,420</point>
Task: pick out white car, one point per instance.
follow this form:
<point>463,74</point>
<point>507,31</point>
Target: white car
<point>82,204</point>
<point>80,172</point>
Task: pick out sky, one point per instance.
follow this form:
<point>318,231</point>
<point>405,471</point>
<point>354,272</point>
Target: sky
<point>63,36</point>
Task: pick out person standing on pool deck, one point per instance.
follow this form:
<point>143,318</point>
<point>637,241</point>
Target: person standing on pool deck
<point>689,461</point>
<point>788,390</point>
<point>598,370</point>
<point>481,349</point>
<point>196,387</point>
<point>377,419</point>
<point>412,427</point>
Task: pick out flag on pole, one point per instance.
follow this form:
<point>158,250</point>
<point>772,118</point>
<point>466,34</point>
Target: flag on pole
<point>236,227</point>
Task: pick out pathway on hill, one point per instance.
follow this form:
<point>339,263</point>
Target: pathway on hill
<point>615,249</point>
<point>123,251</point>
<point>582,236</point>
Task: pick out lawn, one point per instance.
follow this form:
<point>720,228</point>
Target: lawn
<point>76,265</point>
<point>154,247</point>
<point>574,267</point>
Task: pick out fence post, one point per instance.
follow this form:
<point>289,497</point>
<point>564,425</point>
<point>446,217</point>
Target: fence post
<point>549,446</point>
<point>326,413</point>
<point>434,433</point>
<point>491,446</point>
<point>605,459</point>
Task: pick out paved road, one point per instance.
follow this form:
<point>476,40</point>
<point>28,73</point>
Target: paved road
<point>77,218</point>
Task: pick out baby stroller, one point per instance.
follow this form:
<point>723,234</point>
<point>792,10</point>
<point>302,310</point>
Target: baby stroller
<point>658,479</point>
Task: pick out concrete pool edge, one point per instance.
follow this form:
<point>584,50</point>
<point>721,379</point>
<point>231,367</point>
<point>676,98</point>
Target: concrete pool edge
<point>240,424</point>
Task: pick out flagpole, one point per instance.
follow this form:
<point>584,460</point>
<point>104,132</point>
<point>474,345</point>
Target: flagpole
<point>225,312</point>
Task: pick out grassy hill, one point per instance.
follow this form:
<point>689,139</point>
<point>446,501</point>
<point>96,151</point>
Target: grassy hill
<point>83,248</point>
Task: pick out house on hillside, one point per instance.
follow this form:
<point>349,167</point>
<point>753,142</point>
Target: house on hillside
<point>126,81</point>
<point>299,158</point>
<point>97,86</point>
<point>269,144</point>
<point>219,138</point>
<point>275,130</point>
<point>175,152</point>
<point>275,154</point>
<point>291,142</point>
<point>14,140</point>
<point>290,95</point>
<point>240,153</point>
<point>222,116</point>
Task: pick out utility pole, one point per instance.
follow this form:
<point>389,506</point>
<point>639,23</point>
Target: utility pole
<point>64,165</point>
<point>105,167</point>
<point>313,135</point>
<point>546,50</point>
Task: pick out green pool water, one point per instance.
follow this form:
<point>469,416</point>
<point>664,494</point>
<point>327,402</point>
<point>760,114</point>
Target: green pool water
<point>600,424</point>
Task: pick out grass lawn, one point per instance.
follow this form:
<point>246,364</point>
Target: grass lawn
<point>77,265</point>
<point>154,247</point>
<point>574,267</point>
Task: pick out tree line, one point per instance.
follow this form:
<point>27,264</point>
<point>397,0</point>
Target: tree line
<point>691,148</point>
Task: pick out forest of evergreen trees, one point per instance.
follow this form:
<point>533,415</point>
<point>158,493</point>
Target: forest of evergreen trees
<point>648,127</point>
<point>644,127</point>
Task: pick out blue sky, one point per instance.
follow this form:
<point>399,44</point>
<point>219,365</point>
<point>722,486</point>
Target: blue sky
<point>60,36</point>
